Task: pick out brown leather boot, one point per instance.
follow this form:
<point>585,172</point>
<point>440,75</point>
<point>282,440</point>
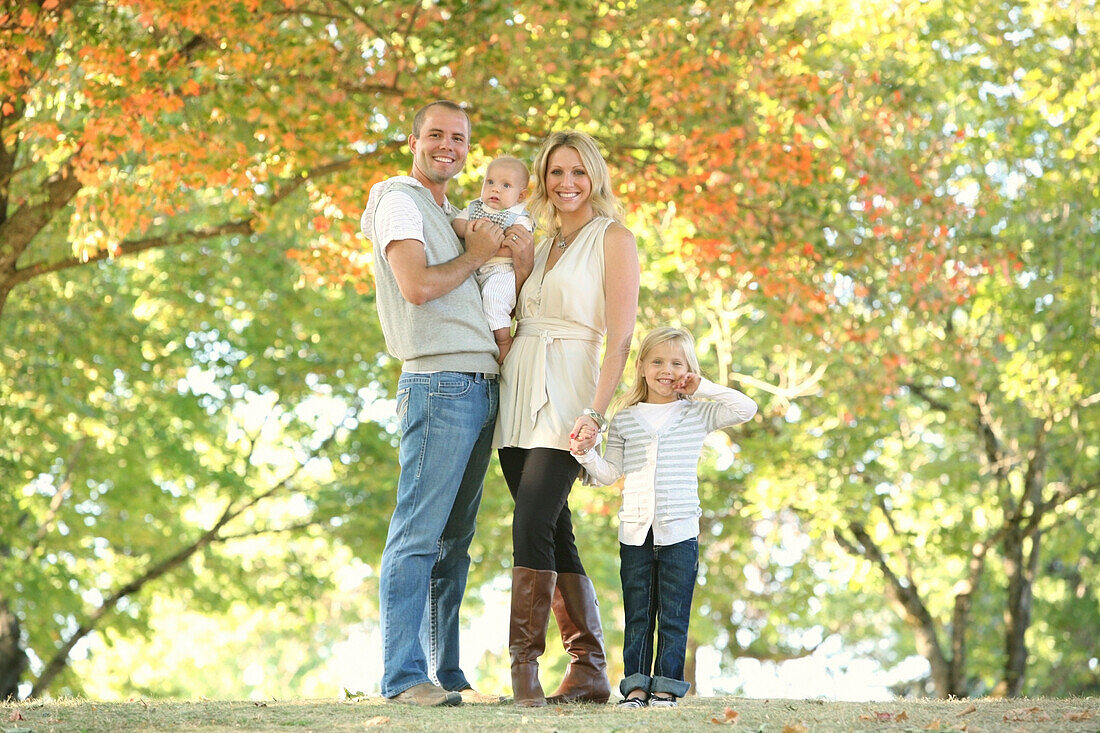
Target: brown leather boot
<point>532,593</point>
<point>578,616</point>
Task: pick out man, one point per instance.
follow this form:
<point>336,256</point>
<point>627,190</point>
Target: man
<point>432,318</point>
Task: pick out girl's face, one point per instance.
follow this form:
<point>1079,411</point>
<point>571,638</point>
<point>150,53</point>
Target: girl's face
<point>568,186</point>
<point>663,367</point>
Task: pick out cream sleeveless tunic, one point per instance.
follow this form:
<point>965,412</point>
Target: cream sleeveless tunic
<point>549,375</point>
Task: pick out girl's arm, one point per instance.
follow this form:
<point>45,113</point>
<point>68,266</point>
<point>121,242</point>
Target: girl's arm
<point>733,407</point>
<point>605,469</point>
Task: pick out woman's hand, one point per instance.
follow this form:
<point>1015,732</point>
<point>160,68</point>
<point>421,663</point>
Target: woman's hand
<point>584,436</point>
<point>522,244</point>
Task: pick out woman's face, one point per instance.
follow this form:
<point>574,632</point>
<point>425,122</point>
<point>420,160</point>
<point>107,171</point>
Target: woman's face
<point>568,186</point>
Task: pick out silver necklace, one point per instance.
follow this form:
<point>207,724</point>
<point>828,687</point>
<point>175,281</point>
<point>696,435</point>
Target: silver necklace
<point>566,239</point>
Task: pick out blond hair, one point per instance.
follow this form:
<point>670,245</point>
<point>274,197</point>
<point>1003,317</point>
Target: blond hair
<point>639,390</point>
<point>603,200</point>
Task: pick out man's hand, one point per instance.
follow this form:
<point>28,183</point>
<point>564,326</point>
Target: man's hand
<point>483,239</point>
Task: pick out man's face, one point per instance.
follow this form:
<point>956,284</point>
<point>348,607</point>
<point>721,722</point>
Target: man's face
<point>439,151</point>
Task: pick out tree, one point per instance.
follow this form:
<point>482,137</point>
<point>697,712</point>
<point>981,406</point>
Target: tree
<point>820,188</point>
<point>958,423</point>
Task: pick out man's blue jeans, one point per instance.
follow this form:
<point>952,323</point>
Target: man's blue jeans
<point>447,423</point>
<point>658,583</point>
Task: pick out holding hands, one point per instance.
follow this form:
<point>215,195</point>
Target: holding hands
<point>585,435</point>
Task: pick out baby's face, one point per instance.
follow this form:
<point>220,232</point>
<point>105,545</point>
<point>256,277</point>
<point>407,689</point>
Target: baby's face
<point>504,187</point>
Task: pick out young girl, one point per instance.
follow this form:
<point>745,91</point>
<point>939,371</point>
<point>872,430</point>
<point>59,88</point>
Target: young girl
<point>656,441</point>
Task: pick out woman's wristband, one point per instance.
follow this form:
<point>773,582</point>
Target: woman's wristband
<point>599,419</point>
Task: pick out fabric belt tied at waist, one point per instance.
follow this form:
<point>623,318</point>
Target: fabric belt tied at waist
<point>548,330</point>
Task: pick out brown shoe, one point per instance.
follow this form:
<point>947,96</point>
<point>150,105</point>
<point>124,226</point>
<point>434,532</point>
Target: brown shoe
<point>470,696</point>
<point>532,594</point>
<point>427,695</point>
<point>578,615</point>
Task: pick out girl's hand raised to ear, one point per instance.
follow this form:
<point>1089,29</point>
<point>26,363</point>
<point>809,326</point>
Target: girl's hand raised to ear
<point>687,384</point>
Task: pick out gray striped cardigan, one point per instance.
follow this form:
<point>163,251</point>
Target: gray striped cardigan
<point>661,486</point>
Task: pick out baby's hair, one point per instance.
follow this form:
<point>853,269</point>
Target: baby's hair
<point>658,337</point>
<point>514,163</point>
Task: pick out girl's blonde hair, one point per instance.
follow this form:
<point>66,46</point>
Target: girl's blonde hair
<point>658,337</point>
<point>603,200</point>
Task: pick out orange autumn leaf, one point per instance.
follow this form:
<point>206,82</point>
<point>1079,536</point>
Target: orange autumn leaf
<point>969,709</point>
<point>1026,715</point>
<point>729,717</point>
<point>795,728</point>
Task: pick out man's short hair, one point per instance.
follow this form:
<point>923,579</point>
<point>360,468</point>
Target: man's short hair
<point>418,120</point>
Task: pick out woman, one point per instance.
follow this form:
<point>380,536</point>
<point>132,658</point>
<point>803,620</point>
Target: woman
<point>583,288</point>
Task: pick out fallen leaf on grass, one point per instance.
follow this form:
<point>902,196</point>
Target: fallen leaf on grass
<point>1083,715</point>
<point>886,717</point>
<point>729,717</point>
<point>16,716</point>
<point>934,725</point>
<point>970,709</point>
<point>1026,715</point>
<point>376,720</point>
<point>795,728</point>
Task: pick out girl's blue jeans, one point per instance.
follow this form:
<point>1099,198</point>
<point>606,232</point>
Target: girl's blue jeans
<point>658,584</point>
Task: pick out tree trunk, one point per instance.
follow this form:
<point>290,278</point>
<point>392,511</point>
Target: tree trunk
<point>1021,547</point>
<point>13,660</point>
<point>1021,564</point>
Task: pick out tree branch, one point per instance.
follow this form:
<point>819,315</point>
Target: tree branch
<point>156,570</point>
<point>58,498</point>
<point>135,246</point>
<point>17,232</point>
<point>906,601</point>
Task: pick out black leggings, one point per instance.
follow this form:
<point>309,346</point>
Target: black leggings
<point>542,528</point>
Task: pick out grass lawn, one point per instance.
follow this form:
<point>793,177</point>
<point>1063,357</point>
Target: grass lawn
<point>694,713</point>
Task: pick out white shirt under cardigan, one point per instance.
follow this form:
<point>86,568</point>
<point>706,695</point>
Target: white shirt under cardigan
<point>661,486</point>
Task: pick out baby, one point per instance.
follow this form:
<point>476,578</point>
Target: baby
<point>502,194</point>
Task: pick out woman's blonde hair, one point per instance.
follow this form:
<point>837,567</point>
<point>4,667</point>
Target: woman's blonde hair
<point>658,337</point>
<point>603,200</point>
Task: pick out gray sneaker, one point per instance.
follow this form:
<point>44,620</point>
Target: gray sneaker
<point>662,702</point>
<point>427,695</point>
